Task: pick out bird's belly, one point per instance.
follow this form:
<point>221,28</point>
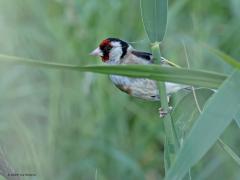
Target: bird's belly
<point>137,87</point>
<point>122,80</point>
<point>142,88</point>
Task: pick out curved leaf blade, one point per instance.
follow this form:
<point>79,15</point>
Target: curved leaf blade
<point>237,118</point>
<point>184,121</point>
<point>228,59</point>
<point>155,72</point>
<point>154,15</point>
<point>208,127</point>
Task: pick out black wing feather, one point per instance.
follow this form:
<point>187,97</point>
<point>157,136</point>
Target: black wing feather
<point>144,55</point>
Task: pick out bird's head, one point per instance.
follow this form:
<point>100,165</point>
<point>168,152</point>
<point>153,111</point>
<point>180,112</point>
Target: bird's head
<point>111,50</point>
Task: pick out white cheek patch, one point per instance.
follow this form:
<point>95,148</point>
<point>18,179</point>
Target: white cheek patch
<point>115,44</point>
<point>116,52</point>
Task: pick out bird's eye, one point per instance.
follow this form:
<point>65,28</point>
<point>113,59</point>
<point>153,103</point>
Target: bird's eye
<point>107,48</point>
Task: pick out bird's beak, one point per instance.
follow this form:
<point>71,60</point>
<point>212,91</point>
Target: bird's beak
<point>96,52</point>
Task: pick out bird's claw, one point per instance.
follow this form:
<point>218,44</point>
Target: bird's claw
<point>163,113</point>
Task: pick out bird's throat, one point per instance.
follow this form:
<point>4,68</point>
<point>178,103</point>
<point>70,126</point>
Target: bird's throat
<point>105,58</point>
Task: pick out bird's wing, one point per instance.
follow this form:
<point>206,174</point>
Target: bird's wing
<point>144,55</point>
<point>139,57</point>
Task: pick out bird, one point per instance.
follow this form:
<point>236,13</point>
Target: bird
<point>114,51</point>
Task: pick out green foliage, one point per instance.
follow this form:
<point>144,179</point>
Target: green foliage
<point>156,72</point>
<point>208,127</point>
<point>237,119</point>
<point>228,59</point>
<point>70,125</point>
<point>154,15</point>
<point>184,121</point>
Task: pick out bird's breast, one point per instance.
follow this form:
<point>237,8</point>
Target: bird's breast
<point>121,80</point>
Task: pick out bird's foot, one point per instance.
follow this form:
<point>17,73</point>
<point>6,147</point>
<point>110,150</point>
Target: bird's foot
<point>163,113</point>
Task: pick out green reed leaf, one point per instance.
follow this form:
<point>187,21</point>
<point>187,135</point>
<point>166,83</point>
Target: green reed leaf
<point>208,127</point>
<point>154,15</point>
<point>223,56</point>
<point>155,72</point>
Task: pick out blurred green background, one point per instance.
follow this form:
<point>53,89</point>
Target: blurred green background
<point>70,125</point>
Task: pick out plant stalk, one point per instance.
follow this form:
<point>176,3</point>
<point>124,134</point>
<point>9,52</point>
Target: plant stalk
<point>171,143</point>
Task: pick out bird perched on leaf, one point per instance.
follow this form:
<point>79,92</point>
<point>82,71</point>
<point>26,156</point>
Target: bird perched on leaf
<point>115,51</point>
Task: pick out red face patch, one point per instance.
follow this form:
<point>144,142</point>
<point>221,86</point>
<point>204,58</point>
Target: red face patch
<point>105,47</point>
<point>104,43</point>
<point>105,58</point>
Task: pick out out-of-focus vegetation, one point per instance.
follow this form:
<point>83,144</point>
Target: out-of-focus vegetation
<point>71,125</point>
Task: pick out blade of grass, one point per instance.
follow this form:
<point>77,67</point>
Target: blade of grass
<point>237,118</point>
<point>155,72</point>
<point>154,16</point>
<point>223,56</point>
<point>184,121</point>
<point>220,142</point>
<point>208,127</point>
<point>230,60</point>
<point>188,175</point>
<point>229,150</point>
